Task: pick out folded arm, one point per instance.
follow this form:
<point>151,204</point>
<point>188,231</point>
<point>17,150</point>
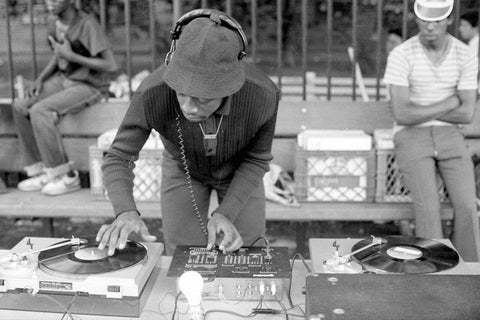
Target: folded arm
<point>464,113</point>
<point>104,61</point>
<point>407,113</point>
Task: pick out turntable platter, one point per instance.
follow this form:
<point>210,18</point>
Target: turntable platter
<point>399,254</point>
<point>86,259</point>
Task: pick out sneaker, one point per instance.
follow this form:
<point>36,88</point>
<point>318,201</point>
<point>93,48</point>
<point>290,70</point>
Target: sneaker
<point>34,183</point>
<point>62,184</point>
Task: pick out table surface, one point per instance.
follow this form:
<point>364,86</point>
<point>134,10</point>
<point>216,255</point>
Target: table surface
<point>161,300</point>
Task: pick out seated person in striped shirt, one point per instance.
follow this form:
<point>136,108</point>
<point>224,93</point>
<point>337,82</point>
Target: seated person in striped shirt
<point>216,117</point>
<point>433,82</point>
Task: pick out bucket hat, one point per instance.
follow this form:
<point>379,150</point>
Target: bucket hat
<point>433,10</point>
<point>205,62</point>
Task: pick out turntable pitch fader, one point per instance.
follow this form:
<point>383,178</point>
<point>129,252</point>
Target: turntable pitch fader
<point>251,273</point>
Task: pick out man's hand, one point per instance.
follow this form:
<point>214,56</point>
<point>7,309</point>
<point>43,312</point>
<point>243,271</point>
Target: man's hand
<point>115,235</point>
<point>35,88</point>
<point>219,224</point>
<point>63,50</point>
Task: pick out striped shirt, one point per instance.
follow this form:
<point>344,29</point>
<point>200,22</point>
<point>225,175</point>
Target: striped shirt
<point>408,65</point>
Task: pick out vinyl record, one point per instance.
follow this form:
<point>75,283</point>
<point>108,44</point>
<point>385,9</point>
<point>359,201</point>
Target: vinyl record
<point>86,259</point>
<point>399,254</point>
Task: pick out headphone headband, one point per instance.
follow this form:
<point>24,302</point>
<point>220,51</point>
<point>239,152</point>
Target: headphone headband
<point>215,15</point>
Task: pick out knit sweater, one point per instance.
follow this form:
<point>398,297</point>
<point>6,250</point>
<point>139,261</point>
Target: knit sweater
<point>243,149</point>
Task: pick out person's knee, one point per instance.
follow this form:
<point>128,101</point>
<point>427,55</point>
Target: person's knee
<point>20,107</point>
<point>41,115</point>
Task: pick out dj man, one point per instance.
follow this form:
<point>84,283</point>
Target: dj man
<point>216,116</point>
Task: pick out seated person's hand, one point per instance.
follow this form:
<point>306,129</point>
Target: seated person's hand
<point>219,225</point>
<point>115,235</point>
<point>62,49</point>
<point>35,88</point>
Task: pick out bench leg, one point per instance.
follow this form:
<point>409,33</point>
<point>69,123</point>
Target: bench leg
<point>301,230</point>
<point>51,229</point>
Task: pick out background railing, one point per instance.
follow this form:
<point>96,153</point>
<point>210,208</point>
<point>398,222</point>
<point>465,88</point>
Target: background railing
<point>302,44</point>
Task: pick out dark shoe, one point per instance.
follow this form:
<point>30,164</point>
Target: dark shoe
<point>3,187</point>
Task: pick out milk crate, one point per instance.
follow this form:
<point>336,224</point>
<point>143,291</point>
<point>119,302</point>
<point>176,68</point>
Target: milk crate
<point>335,176</point>
<point>390,185</point>
<point>148,172</point>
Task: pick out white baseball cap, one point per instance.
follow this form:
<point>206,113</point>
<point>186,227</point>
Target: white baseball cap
<point>433,10</point>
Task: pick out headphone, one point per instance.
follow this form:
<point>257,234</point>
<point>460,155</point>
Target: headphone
<point>216,16</point>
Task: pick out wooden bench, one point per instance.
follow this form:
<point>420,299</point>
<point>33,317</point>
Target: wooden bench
<point>316,88</point>
<point>80,130</point>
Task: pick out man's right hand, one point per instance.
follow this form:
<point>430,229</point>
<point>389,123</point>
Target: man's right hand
<point>35,88</point>
<point>115,235</point>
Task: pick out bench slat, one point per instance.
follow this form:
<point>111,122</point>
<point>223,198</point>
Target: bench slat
<point>367,116</point>
<point>79,204</point>
<point>293,117</point>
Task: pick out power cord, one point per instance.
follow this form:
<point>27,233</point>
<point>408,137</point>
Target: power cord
<point>175,305</point>
<point>228,312</point>
<point>65,309</point>
<point>289,295</point>
<point>267,243</point>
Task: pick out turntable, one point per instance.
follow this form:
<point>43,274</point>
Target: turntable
<point>392,277</point>
<point>59,275</point>
<point>391,254</point>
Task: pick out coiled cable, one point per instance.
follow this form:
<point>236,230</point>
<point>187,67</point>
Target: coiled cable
<point>188,178</point>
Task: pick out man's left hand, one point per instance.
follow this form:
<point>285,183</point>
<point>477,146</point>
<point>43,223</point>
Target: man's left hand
<point>220,225</point>
<point>63,49</point>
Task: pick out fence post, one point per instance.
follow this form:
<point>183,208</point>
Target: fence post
<point>177,10</point>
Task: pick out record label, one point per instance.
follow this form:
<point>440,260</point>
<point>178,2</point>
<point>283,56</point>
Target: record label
<point>400,254</point>
<point>85,259</point>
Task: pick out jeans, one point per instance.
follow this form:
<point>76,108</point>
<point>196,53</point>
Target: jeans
<point>40,140</point>
<point>179,221</point>
<point>420,152</point>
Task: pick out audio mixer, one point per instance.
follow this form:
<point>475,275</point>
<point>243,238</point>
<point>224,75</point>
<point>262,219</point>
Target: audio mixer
<point>251,273</point>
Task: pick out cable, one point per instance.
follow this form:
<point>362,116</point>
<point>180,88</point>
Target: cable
<point>175,305</point>
<point>298,255</point>
<point>222,297</point>
<point>65,309</point>
<point>188,178</point>
<point>289,295</point>
<point>159,306</point>
<point>283,308</point>
<point>229,312</point>
<point>260,238</point>
<point>69,306</point>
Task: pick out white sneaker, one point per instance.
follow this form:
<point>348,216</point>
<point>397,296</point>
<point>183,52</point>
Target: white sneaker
<point>34,183</point>
<point>62,184</point>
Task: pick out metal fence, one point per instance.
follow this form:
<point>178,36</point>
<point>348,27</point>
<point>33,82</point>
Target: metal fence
<point>324,86</point>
